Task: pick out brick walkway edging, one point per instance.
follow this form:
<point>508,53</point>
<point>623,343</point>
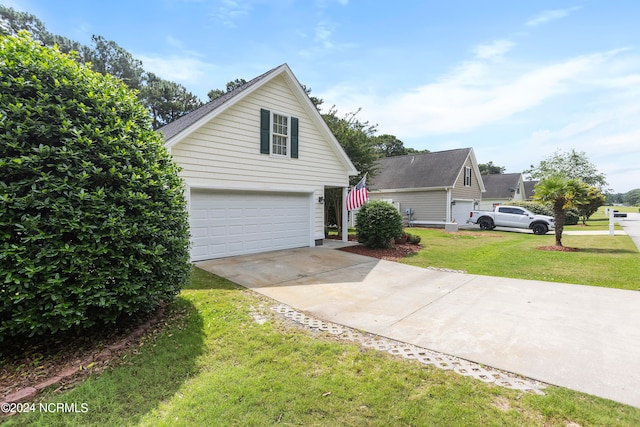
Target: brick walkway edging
<point>26,394</point>
<point>408,351</point>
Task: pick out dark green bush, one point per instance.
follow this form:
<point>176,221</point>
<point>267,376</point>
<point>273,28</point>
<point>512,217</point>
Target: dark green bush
<point>415,239</point>
<point>378,223</point>
<point>572,216</point>
<point>93,226</point>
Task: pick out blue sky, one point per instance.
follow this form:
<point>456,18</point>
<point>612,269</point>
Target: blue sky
<point>515,80</point>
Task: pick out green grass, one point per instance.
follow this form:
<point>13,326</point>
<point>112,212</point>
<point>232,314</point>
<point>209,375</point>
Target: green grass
<point>214,365</point>
<point>603,260</point>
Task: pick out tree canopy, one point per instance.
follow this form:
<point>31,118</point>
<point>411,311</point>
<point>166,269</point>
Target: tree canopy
<point>572,164</point>
<point>389,146</point>
<point>490,168</point>
<point>562,193</point>
<point>164,99</point>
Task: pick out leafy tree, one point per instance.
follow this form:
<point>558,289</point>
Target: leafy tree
<point>378,224</point>
<point>109,58</point>
<point>356,138</point>
<point>93,221</point>
<point>231,85</point>
<point>410,150</point>
<point>632,198</point>
<point>490,168</point>
<point>166,100</point>
<point>214,94</point>
<point>562,193</point>
<point>390,146</point>
<point>572,164</point>
<point>592,201</point>
<point>13,21</point>
<point>614,198</point>
<point>314,99</point>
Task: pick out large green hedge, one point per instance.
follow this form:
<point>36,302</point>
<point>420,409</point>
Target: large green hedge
<point>377,224</point>
<point>93,225</point>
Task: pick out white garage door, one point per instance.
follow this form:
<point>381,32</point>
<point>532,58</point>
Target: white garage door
<point>237,223</point>
<point>460,211</point>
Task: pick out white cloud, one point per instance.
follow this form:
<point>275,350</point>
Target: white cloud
<point>230,11</point>
<point>323,35</point>
<point>471,96</point>
<point>185,70</point>
<point>550,15</point>
<point>495,49</point>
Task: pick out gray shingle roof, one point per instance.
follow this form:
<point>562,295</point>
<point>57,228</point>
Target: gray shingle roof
<point>498,185</point>
<point>529,189</point>
<point>428,170</point>
<point>175,127</point>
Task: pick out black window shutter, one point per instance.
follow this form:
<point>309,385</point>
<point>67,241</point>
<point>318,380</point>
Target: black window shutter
<point>294,137</point>
<point>265,131</point>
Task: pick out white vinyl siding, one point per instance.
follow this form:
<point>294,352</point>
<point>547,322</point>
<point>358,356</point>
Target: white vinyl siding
<point>225,153</point>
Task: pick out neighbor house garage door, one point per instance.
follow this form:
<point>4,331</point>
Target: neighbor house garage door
<point>460,211</point>
<point>237,223</point>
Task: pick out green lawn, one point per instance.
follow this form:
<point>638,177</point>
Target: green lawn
<point>213,364</point>
<point>606,261</point>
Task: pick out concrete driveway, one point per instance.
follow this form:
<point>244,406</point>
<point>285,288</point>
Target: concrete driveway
<point>580,337</point>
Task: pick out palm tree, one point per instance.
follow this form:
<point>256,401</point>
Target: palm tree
<point>562,193</point>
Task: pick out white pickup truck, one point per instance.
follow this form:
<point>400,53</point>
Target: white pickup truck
<point>511,216</point>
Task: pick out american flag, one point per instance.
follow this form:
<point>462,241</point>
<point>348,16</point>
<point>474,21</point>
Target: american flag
<point>358,195</point>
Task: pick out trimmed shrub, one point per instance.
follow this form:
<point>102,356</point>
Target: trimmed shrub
<point>415,239</point>
<point>93,225</point>
<point>572,216</point>
<point>378,223</point>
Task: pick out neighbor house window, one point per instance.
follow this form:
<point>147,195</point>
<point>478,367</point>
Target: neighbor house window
<point>467,176</point>
<point>278,134</point>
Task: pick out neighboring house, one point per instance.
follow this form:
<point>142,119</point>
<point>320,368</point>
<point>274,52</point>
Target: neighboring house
<point>256,163</point>
<point>502,188</point>
<point>529,189</point>
<point>438,188</point>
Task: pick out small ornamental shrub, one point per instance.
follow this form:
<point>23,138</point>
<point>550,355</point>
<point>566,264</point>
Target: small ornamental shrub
<point>415,239</point>
<point>93,226</point>
<point>378,224</point>
<point>572,216</point>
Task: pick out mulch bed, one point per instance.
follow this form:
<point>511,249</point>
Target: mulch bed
<point>558,249</point>
<point>392,254</point>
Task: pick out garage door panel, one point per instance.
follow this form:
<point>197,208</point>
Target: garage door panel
<point>460,211</point>
<point>234,223</point>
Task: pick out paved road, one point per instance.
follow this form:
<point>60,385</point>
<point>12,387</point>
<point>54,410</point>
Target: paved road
<point>631,225</point>
<point>582,337</point>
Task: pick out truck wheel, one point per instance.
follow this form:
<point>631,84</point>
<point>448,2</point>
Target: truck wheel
<point>540,229</point>
<point>485,224</point>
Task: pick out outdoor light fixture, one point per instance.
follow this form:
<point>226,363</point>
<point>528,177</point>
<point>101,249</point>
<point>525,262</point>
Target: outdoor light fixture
<point>320,199</point>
